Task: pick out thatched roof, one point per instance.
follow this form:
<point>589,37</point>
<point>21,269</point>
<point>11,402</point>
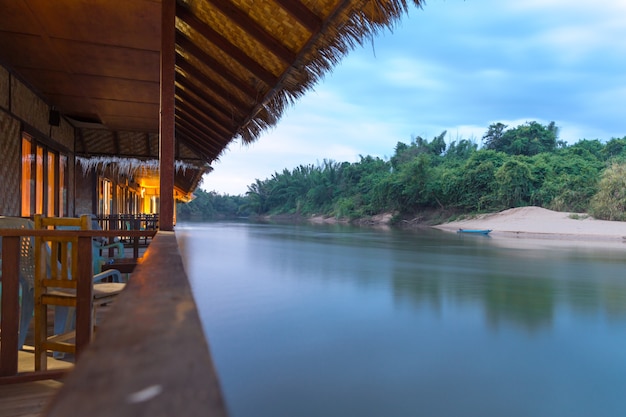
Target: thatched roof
<point>239,63</point>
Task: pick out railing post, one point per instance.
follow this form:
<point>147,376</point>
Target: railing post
<point>84,295</point>
<point>10,304</point>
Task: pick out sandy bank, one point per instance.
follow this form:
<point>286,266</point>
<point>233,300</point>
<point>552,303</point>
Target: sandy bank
<point>540,223</point>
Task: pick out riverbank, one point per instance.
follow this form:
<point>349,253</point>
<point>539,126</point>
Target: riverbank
<point>521,222</point>
<point>540,223</point>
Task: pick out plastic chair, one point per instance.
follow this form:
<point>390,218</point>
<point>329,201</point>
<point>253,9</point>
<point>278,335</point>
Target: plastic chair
<point>56,285</point>
<point>27,273</point>
<point>98,246</point>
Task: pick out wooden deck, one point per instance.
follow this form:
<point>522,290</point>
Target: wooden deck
<point>30,398</point>
<point>27,399</point>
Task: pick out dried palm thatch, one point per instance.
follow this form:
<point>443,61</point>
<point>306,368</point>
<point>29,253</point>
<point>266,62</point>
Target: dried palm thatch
<point>282,74</point>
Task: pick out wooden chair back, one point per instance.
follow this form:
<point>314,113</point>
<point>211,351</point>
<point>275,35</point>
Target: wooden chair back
<point>58,281</point>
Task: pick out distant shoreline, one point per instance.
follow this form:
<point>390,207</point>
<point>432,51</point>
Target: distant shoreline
<point>522,222</point>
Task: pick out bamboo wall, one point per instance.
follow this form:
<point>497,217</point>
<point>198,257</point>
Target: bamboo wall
<point>10,165</point>
<point>22,109</point>
<point>85,192</point>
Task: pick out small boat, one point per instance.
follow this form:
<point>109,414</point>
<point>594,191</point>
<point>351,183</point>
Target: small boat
<point>475,231</point>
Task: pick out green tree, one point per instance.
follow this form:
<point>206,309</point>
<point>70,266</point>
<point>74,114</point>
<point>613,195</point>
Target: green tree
<point>515,183</point>
<point>493,138</point>
<point>528,139</point>
<point>609,203</point>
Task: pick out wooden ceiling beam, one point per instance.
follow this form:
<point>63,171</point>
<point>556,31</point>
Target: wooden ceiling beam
<point>203,132</point>
<point>206,111</point>
<point>189,109</point>
<point>255,30</point>
<point>182,136</point>
<point>302,14</point>
<point>217,110</point>
<point>225,45</point>
<point>186,44</point>
<point>204,80</point>
<point>198,136</point>
<point>192,144</point>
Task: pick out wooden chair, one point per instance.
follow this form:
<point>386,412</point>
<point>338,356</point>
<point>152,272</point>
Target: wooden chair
<point>64,279</point>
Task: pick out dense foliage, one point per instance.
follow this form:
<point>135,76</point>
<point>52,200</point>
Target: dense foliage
<point>525,165</point>
<point>211,205</point>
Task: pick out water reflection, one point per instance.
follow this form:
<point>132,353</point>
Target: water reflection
<point>340,321</point>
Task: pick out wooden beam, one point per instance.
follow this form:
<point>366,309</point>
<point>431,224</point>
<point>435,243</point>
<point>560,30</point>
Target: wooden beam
<point>201,79</point>
<point>188,111</point>
<point>195,145</point>
<point>189,105</point>
<point>199,134</point>
<point>218,112</point>
<point>225,45</point>
<point>167,124</point>
<point>255,30</point>
<point>204,134</point>
<point>302,14</point>
<point>191,48</point>
<point>84,295</point>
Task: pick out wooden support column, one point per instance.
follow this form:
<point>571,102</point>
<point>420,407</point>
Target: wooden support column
<point>166,128</point>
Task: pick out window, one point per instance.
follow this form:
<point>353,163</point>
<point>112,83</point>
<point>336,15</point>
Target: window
<point>39,184</point>
<point>105,197</point>
<point>62,185</point>
<point>44,180</point>
<point>28,182</point>
<point>51,195</point>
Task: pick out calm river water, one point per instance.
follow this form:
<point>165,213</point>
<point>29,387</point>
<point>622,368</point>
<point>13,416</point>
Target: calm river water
<point>337,321</point>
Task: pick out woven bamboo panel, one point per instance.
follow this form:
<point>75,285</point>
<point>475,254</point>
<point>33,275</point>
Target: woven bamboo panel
<point>134,143</point>
<point>223,102</point>
<point>10,165</point>
<point>154,143</point>
<point>236,35</point>
<point>26,105</point>
<point>220,110</point>
<point>99,141</point>
<point>64,134</point>
<point>4,88</point>
<point>184,152</point>
<point>240,71</point>
<point>276,21</point>
<point>84,193</point>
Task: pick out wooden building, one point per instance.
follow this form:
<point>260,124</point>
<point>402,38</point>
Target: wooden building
<point>119,107</point>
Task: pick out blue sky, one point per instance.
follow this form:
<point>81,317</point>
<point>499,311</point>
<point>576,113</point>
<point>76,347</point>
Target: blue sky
<point>458,66</point>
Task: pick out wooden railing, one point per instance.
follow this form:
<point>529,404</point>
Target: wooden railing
<point>127,222</point>
<point>150,356</point>
<point>9,322</point>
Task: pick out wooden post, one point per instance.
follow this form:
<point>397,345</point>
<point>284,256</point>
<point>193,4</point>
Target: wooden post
<point>10,305</point>
<point>166,127</point>
<point>84,295</point>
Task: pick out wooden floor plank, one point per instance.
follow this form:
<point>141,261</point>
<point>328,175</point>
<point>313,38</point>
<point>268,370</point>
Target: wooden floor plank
<point>27,399</point>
